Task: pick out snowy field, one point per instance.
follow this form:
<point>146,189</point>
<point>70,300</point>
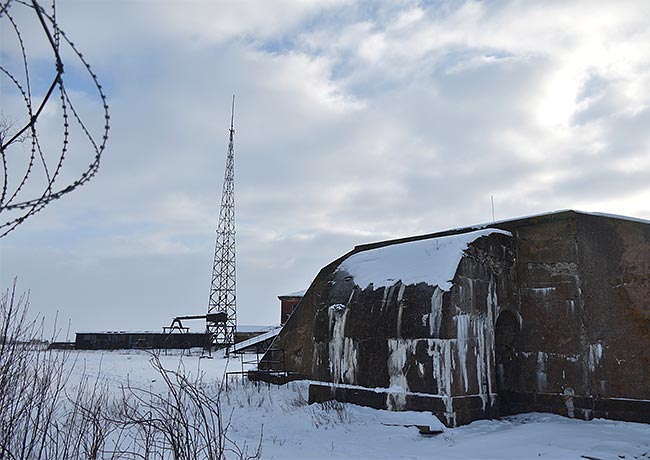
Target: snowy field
<point>292,429</point>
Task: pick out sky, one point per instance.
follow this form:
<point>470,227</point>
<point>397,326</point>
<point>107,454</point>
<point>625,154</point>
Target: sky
<point>356,121</point>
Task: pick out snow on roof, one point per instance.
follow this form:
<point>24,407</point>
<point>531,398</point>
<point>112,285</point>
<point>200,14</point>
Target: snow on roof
<point>561,211</point>
<point>294,294</point>
<point>249,328</point>
<point>118,332</point>
<point>433,261</point>
<point>616,216</point>
<point>505,221</point>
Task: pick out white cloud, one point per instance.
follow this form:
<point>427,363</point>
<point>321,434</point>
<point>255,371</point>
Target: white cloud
<point>217,21</point>
<point>355,122</point>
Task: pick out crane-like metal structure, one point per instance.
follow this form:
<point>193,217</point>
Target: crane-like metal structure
<point>223,293</point>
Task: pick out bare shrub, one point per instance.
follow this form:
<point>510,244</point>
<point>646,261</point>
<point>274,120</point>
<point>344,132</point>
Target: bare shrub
<point>242,392</point>
<point>88,422</point>
<point>186,419</point>
<point>42,415</point>
<point>32,383</point>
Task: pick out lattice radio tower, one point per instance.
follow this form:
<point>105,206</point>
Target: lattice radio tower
<point>223,293</point>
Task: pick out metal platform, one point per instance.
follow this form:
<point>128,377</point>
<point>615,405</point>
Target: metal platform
<point>253,341</point>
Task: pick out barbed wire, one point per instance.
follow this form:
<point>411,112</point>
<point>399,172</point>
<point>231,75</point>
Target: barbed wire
<point>21,196</point>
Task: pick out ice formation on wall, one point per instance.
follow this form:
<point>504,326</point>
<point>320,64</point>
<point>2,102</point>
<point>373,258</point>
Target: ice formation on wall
<point>400,351</point>
<point>541,372</point>
<point>433,261</point>
<point>542,292</point>
<point>568,401</point>
<point>462,334</point>
<point>342,350</point>
<point>449,358</point>
<point>400,312</point>
<point>440,352</point>
<point>433,320</point>
<point>595,355</point>
<point>475,339</point>
<point>486,338</point>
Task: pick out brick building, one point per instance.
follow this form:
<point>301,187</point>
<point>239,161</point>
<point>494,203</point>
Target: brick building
<point>288,304</point>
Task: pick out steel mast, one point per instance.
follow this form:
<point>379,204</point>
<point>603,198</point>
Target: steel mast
<point>223,293</point>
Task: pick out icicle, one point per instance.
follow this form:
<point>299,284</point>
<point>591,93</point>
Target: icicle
<point>480,362</point>
<point>488,329</point>
<point>594,356</point>
<point>435,317</point>
<point>568,401</point>
<point>400,304</point>
<point>462,335</point>
<point>388,292</point>
<point>400,293</point>
<point>398,352</point>
<point>541,372</point>
<point>342,350</point>
<point>440,352</point>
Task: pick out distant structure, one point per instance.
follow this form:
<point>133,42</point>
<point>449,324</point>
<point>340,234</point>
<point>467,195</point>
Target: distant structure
<point>288,303</point>
<point>223,295</point>
<point>124,340</point>
<point>547,313</point>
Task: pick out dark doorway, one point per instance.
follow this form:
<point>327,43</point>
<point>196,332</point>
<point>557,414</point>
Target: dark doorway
<point>506,344</point>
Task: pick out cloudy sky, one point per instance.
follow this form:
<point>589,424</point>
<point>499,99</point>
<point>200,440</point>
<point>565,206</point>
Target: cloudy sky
<point>355,121</point>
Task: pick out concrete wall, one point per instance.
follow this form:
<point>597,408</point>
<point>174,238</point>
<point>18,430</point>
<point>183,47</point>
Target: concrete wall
<point>584,347</point>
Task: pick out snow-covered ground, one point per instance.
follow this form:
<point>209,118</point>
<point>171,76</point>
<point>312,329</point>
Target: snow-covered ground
<point>292,429</point>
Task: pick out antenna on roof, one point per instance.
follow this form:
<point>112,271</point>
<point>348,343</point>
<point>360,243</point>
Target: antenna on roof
<point>492,199</point>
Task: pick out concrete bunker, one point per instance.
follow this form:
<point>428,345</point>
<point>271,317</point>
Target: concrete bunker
<point>546,313</point>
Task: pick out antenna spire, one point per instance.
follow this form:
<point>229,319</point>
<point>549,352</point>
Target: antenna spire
<point>232,115</point>
<point>223,293</point>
